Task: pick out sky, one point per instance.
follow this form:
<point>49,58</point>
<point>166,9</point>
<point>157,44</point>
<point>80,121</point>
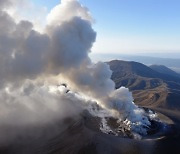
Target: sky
<point>132,26</point>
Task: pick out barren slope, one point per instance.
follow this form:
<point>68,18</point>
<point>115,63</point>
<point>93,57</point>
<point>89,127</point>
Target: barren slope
<point>150,88</point>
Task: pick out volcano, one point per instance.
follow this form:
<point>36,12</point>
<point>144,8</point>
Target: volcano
<point>55,99</point>
<point>85,134</point>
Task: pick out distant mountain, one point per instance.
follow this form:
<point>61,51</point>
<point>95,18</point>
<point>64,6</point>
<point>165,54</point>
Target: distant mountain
<point>149,87</point>
<point>147,59</point>
<point>164,70</point>
<point>130,68</point>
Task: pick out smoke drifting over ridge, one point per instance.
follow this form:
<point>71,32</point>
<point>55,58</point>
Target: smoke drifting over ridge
<point>33,63</point>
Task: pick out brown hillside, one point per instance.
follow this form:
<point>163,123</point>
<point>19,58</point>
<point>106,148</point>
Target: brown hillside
<point>149,88</point>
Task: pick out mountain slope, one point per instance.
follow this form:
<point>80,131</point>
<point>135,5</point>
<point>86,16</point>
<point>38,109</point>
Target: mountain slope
<point>149,87</point>
<point>164,70</point>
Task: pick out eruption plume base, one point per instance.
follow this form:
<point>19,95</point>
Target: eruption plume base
<point>160,126</point>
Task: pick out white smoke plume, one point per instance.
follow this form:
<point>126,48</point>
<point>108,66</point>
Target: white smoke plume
<point>33,62</point>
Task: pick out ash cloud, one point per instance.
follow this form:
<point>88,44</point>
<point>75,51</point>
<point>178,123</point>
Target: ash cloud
<point>4,4</point>
<point>31,61</point>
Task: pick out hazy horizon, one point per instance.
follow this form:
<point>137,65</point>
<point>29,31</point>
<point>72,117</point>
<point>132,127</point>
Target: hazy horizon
<point>135,56</point>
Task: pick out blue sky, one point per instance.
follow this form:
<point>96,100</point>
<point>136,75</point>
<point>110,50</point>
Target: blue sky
<point>133,26</point>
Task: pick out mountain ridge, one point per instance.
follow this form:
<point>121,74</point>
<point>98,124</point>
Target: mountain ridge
<point>149,87</point>
<point>164,70</point>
